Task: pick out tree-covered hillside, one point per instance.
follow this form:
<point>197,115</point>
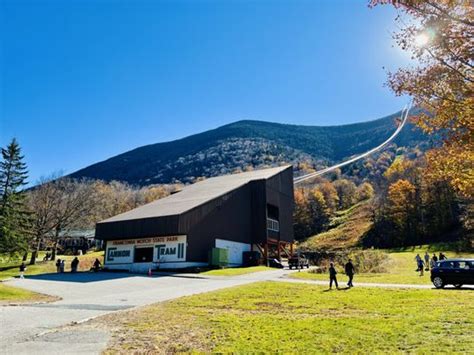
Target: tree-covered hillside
<point>247,144</point>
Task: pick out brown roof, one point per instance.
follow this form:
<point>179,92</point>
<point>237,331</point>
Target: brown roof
<point>196,194</point>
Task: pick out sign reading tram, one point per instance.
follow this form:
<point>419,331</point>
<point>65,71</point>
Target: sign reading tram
<point>165,249</point>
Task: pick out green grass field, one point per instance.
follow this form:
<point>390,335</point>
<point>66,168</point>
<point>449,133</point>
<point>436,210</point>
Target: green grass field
<point>299,318</point>
<point>10,294</point>
<point>401,269</point>
<point>236,271</point>
<point>48,266</point>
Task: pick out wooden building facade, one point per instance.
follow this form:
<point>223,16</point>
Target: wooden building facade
<point>240,212</point>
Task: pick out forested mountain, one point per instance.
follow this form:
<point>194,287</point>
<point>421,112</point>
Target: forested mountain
<point>245,144</point>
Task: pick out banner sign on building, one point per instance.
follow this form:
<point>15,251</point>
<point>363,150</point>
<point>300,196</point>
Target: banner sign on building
<point>165,249</point>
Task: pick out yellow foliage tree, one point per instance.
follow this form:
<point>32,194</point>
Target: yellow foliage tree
<point>301,215</point>
<point>401,196</point>
<point>330,195</point>
<point>438,34</point>
<point>400,168</point>
<point>364,191</point>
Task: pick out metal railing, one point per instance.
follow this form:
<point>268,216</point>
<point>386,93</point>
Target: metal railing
<point>404,116</point>
<point>273,225</point>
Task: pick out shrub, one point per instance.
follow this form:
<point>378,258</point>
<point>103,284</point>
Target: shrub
<point>365,261</point>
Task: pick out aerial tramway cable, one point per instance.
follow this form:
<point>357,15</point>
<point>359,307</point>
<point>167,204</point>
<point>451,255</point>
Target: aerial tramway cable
<point>404,116</point>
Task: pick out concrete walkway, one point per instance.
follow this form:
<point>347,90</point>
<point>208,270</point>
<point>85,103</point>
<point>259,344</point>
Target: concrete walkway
<point>357,284</point>
<point>39,328</point>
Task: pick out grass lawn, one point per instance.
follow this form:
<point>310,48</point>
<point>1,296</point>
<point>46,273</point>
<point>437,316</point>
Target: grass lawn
<point>401,269</point>
<point>49,266</point>
<point>10,294</point>
<point>299,318</point>
<point>236,271</point>
<point>345,230</point>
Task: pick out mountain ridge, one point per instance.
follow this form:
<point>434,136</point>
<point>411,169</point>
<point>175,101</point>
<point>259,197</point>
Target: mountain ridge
<point>246,143</point>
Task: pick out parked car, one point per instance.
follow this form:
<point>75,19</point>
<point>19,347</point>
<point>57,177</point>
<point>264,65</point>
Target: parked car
<point>298,261</point>
<point>251,258</point>
<point>457,272</point>
<point>275,263</point>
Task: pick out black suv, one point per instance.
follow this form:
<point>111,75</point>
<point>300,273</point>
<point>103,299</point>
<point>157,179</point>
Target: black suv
<point>455,272</point>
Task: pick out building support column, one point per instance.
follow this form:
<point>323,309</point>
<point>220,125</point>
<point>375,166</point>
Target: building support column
<point>265,253</point>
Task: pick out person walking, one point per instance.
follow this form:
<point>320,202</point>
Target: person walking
<point>427,260</point>
<point>22,270</point>
<point>74,264</point>
<point>350,271</point>
<point>96,266</point>
<point>61,266</point>
<point>418,260</point>
<point>58,265</point>
<point>332,276</point>
<point>420,266</point>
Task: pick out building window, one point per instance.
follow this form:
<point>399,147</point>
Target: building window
<point>273,225</point>
<point>143,255</point>
<point>272,212</point>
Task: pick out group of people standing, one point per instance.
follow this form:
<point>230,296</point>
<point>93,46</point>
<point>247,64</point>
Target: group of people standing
<point>96,266</point>
<point>60,265</point>
<point>428,262</point>
<point>349,271</point>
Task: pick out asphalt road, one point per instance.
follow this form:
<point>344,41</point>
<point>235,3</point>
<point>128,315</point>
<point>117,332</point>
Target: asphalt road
<point>41,328</point>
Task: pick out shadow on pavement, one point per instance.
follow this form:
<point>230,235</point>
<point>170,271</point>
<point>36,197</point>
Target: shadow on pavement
<point>83,277</point>
<point>87,276</point>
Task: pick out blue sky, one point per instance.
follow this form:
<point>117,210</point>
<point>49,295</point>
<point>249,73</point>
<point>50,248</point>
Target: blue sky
<point>82,81</point>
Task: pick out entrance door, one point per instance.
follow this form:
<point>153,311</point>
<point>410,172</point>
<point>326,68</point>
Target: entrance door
<point>143,255</point>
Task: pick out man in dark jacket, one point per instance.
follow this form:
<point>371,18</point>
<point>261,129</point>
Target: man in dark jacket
<point>332,276</point>
<point>22,270</point>
<point>96,266</point>
<point>349,269</point>
<point>74,264</point>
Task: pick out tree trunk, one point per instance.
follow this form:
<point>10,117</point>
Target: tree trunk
<point>33,257</point>
<point>55,246</point>
<point>35,252</point>
<point>25,256</point>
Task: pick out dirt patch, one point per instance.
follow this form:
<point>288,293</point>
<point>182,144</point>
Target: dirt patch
<point>158,329</point>
<point>37,299</point>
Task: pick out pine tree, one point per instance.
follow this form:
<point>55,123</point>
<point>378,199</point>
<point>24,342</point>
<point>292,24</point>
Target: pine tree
<point>14,215</point>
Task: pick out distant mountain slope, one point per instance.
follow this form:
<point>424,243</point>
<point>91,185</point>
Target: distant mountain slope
<point>246,143</point>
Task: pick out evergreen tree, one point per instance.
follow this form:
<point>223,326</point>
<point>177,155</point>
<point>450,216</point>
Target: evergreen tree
<point>14,216</point>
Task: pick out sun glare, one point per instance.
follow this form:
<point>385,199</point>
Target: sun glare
<point>422,39</point>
